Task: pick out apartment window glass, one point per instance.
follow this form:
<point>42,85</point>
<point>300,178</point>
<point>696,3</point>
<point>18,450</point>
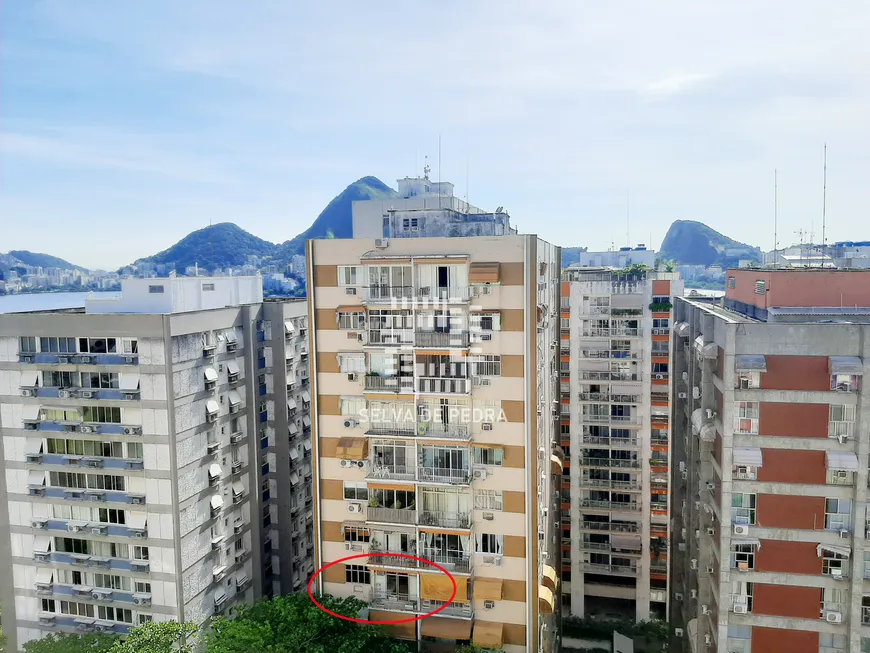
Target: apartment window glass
<point>565,302</point>
<point>485,321</point>
<point>565,323</point>
<point>489,543</point>
<point>100,380</point>
<point>356,491</point>
<point>111,613</point>
<point>746,417</point>
<point>488,456</point>
<point>352,363</point>
<point>349,275</point>
<point>48,605</point>
<point>488,500</point>
<point>155,290</point>
<point>208,287</point>
<point>743,556</point>
<point>57,345</point>
<point>748,380</point>
<point>661,323</point>
<point>76,609</point>
<point>98,345</point>
<point>129,345</point>
<point>27,345</point>
<point>356,534</point>
<point>834,564</point>
<point>832,642</point>
<point>838,514</point>
<point>741,594</point>
<point>351,320</point>
<point>140,553</point>
<point>352,406</point>
<point>732,282</point>
<point>486,366</point>
<point>102,414</point>
<point>357,574</point>
<point>743,507</point>
<point>841,420</point>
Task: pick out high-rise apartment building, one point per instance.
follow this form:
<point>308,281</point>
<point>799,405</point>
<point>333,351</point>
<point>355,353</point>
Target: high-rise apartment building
<point>144,441</point>
<point>615,384</point>
<point>435,407</point>
<point>770,489</point>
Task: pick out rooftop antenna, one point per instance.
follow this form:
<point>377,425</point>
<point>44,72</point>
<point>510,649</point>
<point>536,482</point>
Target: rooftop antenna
<point>439,171</point>
<point>824,198</point>
<point>426,168</point>
<point>467,210</point>
<point>627,217</point>
<point>775,211</point>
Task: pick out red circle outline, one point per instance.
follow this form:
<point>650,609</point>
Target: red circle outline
<point>389,554</point>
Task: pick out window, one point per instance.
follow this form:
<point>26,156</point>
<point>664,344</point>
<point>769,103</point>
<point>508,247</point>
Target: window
<point>565,302</point>
<point>741,594</point>
<point>489,543</point>
<point>488,500</point>
<point>760,287</point>
<point>352,406</point>
<point>140,553</point>
<point>57,345</point>
<point>155,290</point>
<point>111,613</point>
<point>352,363</point>
<point>48,605</point>
<point>145,618</point>
<point>743,508</point>
<point>61,415</point>
<point>488,456</point>
<point>208,287</point>
<point>484,321</point>
<point>834,564</point>
<point>748,380</point>
<point>660,323</point>
<point>27,345</point>
<point>60,379</point>
<point>353,321</point>
<point>732,282</point>
<point>112,582</point>
<point>102,414</point>
<point>357,574</point>
<point>349,275</point>
<point>838,514</point>
<point>356,534</point>
<point>105,482</point>
<point>840,477</point>
<point>743,556</point>
<point>76,609</point>
<point>356,491</point>
<point>841,420</point>
<point>129,346</point>
<point>100,380</point>
<point>486,366</point>
<point>98,345</point>
<point>135,451</point>
<point>746,417</point>
<point>565,323</point>
<point>564,366</point>
<point>830,642</point>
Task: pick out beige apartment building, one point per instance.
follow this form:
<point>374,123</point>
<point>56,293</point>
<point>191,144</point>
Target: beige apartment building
<point>435,408</point>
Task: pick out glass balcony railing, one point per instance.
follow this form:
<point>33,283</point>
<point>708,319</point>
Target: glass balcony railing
<point>609,505</point>
<point>386,294</point>
<point>391,337</point>
<point>619,570</point>
<point>609,462</point>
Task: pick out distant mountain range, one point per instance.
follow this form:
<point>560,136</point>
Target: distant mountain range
<point>21,257</point>
<point>228,245</point>
<point>693,243</point>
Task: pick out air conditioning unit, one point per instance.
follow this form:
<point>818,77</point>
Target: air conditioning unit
<point>382,243</point>
<point>87,394</point>
<point>141,600</point>
<point>842,439</point>
<point>486,426</point>
<point>741,608</point>
<point>347,464</point>
<point>479,474</point>
<point>693,563</point>
<point>99,530</point>
<point>352,377</point>
<point>711,532</point>
<point>710,569</point>
<point>708,639</point>
<point>705,609</point>
<point>488,605</point>
<point>834,617</point>
<point>86,429</point>
<point>741,529</point>
<point>660,377</point>
<point>74,528</point>
<point>678,632</point>
<point>38,523</point>
<point>132,430</point>
<point>837,574</point>
<point>682,395</point>
<point>212,447</point>
<point>350,423</point>
<point>84,359</point>
<point>694,593</point>
<point>354,508</point>
<point>684,475</point>
<point>63,394</point>
<point>678,596</point>
<point>488,516</point>
<point>27,393</point>
<point>63,360</point>
<point>350,291</point>
<point>129,359</point>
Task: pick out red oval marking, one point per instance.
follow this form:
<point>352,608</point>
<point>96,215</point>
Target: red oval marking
<point>385,554</point>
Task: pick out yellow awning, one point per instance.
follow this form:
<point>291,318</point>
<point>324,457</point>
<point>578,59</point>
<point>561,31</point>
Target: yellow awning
<point>444,628</point>
<point>551,578</point>
<point>437,587</point>
<point>352,449</point>
<point>546,602</point>
<point>386,486</point>
<point>488,589</point>
<point>483,273</point>
<point>488,634</point>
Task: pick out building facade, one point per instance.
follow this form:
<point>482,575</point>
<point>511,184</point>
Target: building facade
<point>140,456</point>
<point>435,407</point>
<point>615,409</point>
<point>770,491</point>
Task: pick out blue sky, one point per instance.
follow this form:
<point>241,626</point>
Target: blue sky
<point>124,126</point>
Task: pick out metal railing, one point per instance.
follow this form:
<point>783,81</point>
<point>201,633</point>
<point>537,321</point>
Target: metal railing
<point>445,519</point>
<point>393,472</point>
<point>443,385</point>
<point>444,475</point>
<point>397,384</point>
<point>392,560</point>
<point>442,339</point>
<point>445,430</point>
<point>609,569</point>
<point>389,337</point>
<point>399,430</point>
<point>608,505</point>
<point>608,440</point>
<point>613,527</point>
<point>400,602</point>
<point>452,561</point>
<point>609,462</point>
<point>386,293</point>
<point>437,293</point>
<point>589,375</point>
<point>453,609</point>
<point>609,484</point>
<point>392,515</point>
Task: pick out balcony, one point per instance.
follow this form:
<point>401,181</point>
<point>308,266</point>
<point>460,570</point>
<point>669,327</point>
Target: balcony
<point>394,601</point>
<point>608,505</point>
<point>609,441</point>
<point>610,398</point>
<point>398,560</point>
<point>390,337</point>
<point>609,462</point>
<point>445,519</point>
<point>438,339</point>
<point>444,475</point>
<point>452,609</point>
<point>397,384</point>
<point>627,420</point>
<point>617,570</point>
<point>390,472</point>
<point>441,294</point>
<point>450,560</point>
<point>443,385</point>
<point>392,515</point>
<point>609,484</point>
<point>589,375</point>
<point>382,294</point>
<point>391,429</point>
<point>611,527</point>
<point>444,430</point>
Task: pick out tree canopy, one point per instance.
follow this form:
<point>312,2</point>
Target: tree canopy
<point>72,643</point>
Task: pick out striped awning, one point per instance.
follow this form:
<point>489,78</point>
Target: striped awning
<point>845,461</point>
<point>751,456</point>
<point>846,365</point>
<point>483,273</point>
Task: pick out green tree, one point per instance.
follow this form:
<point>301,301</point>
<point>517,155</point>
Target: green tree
<point>294,624</point>
<point>71,643</point>
<point>162,637</point>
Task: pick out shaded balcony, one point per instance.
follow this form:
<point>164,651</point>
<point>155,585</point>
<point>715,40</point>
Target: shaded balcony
<point>381,383</point>
<point>439,339</point>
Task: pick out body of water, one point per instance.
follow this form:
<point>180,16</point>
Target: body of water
<point>45,301</point>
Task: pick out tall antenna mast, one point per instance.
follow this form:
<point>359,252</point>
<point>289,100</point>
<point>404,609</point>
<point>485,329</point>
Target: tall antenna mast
<point>824,199</point>
<point>439,171</point>
<point>775,215</point>
<point>627,217</point>
<point>467,210</point>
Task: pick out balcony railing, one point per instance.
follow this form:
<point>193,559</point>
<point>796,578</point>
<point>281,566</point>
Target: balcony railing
<point>445,430</point>
<point>384,293</point>
<point>436,293</point>
<point>445,519</point>
<point>608,505</point>
<point>392,515</point>
<point>391,337</point>
<point>389,429</point>
<point>609,462</point>
<point>442,339</point>
<point>391,472</point>
<point>589,375</point>
<point>444,475</point>
<point>443,385</point>
<point>631,420</point>
<point>613,527</point>
<point>622,570</point>
<point>399,602</point>
<point>450,560</point>
<point>609,484</point>
<point>607,440</point>
<point>452,609</point>
<point>607,333</point>
<point>397,384</point>
<point>392,560</point>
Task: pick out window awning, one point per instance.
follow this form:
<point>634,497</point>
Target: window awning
<point>291,426</point>
<point>483,273</point>
<point>488,589</point>
<point>241,578</point>
<point>211,407</point>
<point>288,326</point>
<point>294,478</point>
<point>28,379</point>
<point>352,449</point>
<point>625,542</point>
<point>137,520</point>
<point>291,404</point>
<point>44,576</point>
<point>42,544</point>
<point>844,365</point>
<point>210,374</point>
<point>438,587</point>
<point>306,397</point>
<point>30,412</point>
<point>488,634</point>
<point>306,445</point>
<point>846,461</point>
<point>217,502</point>
<point>750,363</point>
<point>234,398</point>
<point>838,549</point>
<point>214,470</point>
<point>751,456</point>
<point>231,335</point>
<point>32,446</point>
<point>128,381</point>
<point>306,421</point>
<point>551,578</point>
<point>445,628</point>
<point>238,488</point>
<point>746,541</point>
<point>232,367</point>
<point>294,455</point>
<point>682,329</point>
<point>546,601</point>
<point>35,478</point>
